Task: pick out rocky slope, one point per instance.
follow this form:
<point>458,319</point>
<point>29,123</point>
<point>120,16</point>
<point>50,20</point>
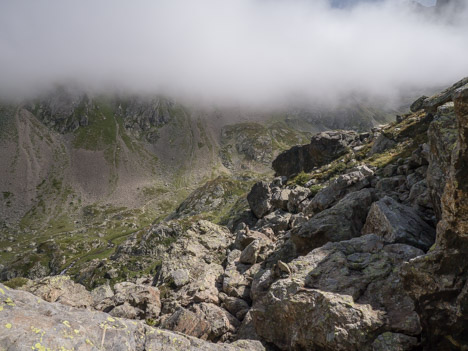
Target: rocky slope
<point>363,249</point>
<point>80,173</point>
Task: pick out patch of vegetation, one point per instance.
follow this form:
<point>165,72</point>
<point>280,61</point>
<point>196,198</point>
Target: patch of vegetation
<point>16,283</point>
<point>101,130</point>
<point>301,179</point>
<point>154,191</point>
<point>314,189</point>
<point>7,195</point>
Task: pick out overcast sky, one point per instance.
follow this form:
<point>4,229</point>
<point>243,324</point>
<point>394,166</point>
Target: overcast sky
<point>229,51</point>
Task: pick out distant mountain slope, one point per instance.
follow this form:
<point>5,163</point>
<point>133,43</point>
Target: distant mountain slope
<point>82,172</point>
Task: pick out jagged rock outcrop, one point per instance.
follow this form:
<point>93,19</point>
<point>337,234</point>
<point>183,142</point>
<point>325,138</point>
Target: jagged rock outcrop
<point>341,296</point>
<point>442,136</point>
<point>251,140</point>
<point>143,117</point>
<point>431,104</point>
<point>29,323</point>
<point>438,280</point>
<point>323,148</point>
<point>64,110</point>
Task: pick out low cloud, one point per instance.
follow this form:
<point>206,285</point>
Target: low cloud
<point>256,52</point>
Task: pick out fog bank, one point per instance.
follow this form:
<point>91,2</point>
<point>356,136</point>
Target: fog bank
<point>257,52</point>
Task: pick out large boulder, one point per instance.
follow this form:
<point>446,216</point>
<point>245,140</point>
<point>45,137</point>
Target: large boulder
<point>27,323</point>
<point>340,222</point>
<point>341,296</point>
<point>323,148</point>
<point>397,223</point>
<point>438,281</point>
<point>259,199</point>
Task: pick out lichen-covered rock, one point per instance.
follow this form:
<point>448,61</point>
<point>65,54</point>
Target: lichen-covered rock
<point>340,222</point>
<point>438,281</point>
<point>29,323</point>
<point>442,136</point>
<point>341,296</point>
<point>397,223</point>
<point>323,148</point>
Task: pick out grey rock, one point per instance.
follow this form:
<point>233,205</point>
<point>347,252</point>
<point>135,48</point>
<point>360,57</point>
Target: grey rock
<point>418,104</point>
<point>280,198</point>
<point>101,292</point>
<point>398,223</point>
<point>259,199</point>
<point>180,277</point>
<point>431,104</point>
<point>340,222</point>
<point>27,322</point>
<point>323,148</point>
<point>393,184</point>
<point>296,197</point>
<point>278,221</point>
<point>338,188</point>
<point>132,301</point>
<point>394,342</point>
<point>339,297</point>
<point>442,136</point>
<point>236,307</point>
<point>60,289</point>
<point>250,253</point>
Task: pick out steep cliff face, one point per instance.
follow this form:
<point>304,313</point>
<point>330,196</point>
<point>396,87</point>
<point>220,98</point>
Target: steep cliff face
<point>438,281</point>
